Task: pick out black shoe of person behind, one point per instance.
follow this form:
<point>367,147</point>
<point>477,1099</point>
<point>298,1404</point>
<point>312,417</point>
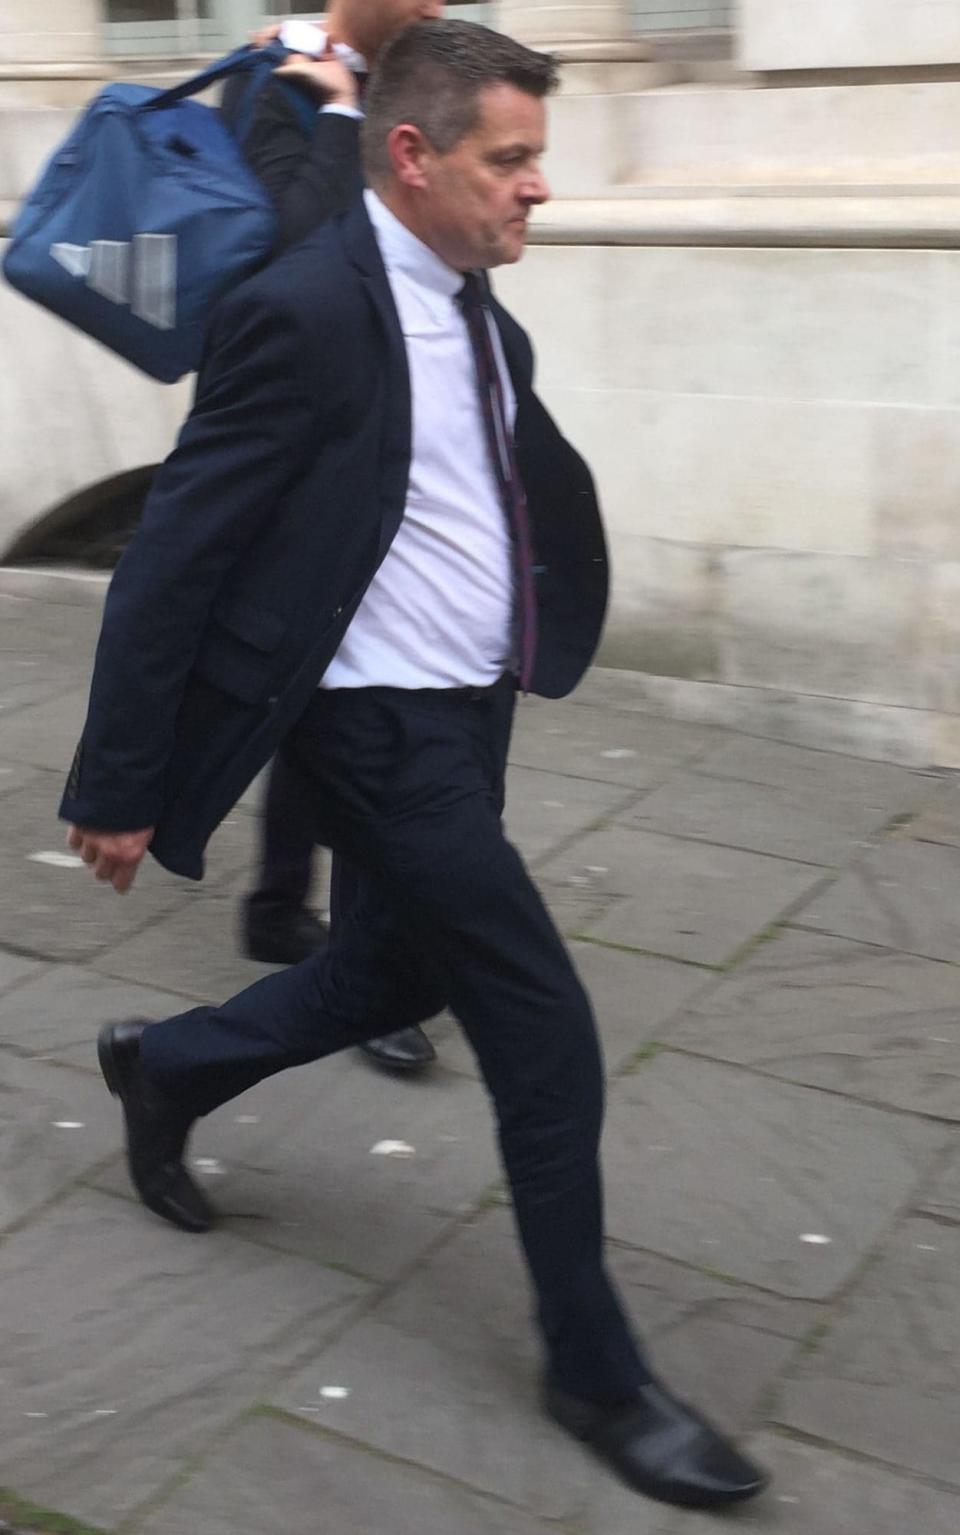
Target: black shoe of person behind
<point>405,1050</point>
<point>283,935</point>
<point>660,1447</point>
<point>156,1132</point>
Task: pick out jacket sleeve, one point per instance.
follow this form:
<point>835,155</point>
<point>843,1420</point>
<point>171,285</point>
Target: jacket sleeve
<point>254,422</point>
<point>307,179</point>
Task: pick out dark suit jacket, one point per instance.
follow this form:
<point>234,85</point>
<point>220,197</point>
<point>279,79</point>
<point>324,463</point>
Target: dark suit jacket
<point>308,179</point>
<point>263,530</point>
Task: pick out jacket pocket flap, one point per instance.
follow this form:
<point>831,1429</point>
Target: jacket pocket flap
<point>255,626</point>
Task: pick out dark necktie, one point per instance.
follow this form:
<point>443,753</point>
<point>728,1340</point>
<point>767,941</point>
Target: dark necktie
<point>472,301</point>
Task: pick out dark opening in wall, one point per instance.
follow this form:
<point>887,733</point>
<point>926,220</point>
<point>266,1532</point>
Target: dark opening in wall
<point>90,529</point>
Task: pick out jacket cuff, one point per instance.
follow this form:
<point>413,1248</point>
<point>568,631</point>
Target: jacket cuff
<point>95,814</point>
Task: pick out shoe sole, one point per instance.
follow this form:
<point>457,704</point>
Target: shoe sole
<point>674,1497</point>
<point>107,1060</point>
<point>701,1500</point>
<point>396,1068</point>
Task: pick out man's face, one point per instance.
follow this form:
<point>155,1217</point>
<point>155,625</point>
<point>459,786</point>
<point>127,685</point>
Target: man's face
<point>476,199</point>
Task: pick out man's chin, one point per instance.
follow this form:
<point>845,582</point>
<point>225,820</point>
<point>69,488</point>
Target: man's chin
<point>506,251</point>
<point>513,248</point>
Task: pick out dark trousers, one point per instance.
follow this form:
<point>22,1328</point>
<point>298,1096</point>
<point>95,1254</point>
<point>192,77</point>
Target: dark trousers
<point>288,838</point>
<point>408,788</point>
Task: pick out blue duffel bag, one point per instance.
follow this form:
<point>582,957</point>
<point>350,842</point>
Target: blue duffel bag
<point>143,218</point>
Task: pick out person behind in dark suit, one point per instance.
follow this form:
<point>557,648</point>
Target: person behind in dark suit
<point>368,538</point>
<point>310,176</point>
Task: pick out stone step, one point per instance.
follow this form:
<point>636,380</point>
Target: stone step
<point>885,218</point>
<point>71,86</point>
<point>740,134</point>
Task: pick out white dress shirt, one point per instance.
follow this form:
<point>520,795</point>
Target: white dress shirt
<point>439,611</point>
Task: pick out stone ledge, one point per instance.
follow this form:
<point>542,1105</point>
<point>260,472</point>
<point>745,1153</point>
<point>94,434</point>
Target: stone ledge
<point>50,583</point>
<point>922,739</point>
<point>916,222</point>
<point>80,69</point>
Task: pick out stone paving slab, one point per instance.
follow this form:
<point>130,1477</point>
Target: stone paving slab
<point>46,735</point>
<point>56,909</point>
<point>939,820</point>
<point>26,683</point>
<point>881,787</point>
<point>129,1345</point>
<point>617,748</point>
<point>66,630</point>
<point>714,1165</point>
<point>291,1163</point>
<point>444,1372</point>
<point>274,1476</point>
<point>573,908</point>
<point>802,824</point>
<point>14,970</point>
<point>53,1128</point>
<point>15,777</point>
<point>904,895</point>
<point>819,1492</point>
<point>64,1006</point>
<point>685,899</point>
<point>192,948</point>
<point>942,1199</point>
<point>544,810</point>
<point>863,1021</point>
<point>887,1381</point>
<point>635,999</point>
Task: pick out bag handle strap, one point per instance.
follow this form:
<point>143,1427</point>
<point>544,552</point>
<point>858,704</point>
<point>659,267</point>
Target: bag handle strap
<point>232,64</point>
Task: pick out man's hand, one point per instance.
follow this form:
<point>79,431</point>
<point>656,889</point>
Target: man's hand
<point>330,80</point>
<point>266,35</point>
<point>113,855</point>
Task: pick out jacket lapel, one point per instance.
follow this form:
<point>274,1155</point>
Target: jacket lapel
<point>364,255</point>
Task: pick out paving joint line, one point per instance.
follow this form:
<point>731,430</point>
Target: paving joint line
<point>846,1292</point>
<point>60,1195</point>
<point>356,1314</point>
<point>872,943</point>
<point>733,1280</point>
<point>599,823</point>
<point>750,1068</point>
<point>626,948</point>
<point>438,1478</point>
<point>787,1432</point>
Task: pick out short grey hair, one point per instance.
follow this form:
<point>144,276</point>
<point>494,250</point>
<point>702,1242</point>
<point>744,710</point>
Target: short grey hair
<point>432,74</point>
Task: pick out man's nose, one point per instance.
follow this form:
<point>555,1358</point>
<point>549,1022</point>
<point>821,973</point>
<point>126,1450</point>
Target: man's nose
<point>537,189</point>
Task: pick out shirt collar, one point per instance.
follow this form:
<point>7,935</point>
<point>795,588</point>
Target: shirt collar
<point>307,37</point>
<point>403,252</point>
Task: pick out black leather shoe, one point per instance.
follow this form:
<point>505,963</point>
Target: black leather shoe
<point>156,1132</point>
<point>282,937</point>
<point>661,1447</point>
<point>404,1050</point>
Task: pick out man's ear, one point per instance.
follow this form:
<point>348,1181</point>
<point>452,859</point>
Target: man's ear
<point>408,151</point>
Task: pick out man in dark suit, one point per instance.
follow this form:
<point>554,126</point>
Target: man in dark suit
<point>312,171</point>
<point>370,534</point>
